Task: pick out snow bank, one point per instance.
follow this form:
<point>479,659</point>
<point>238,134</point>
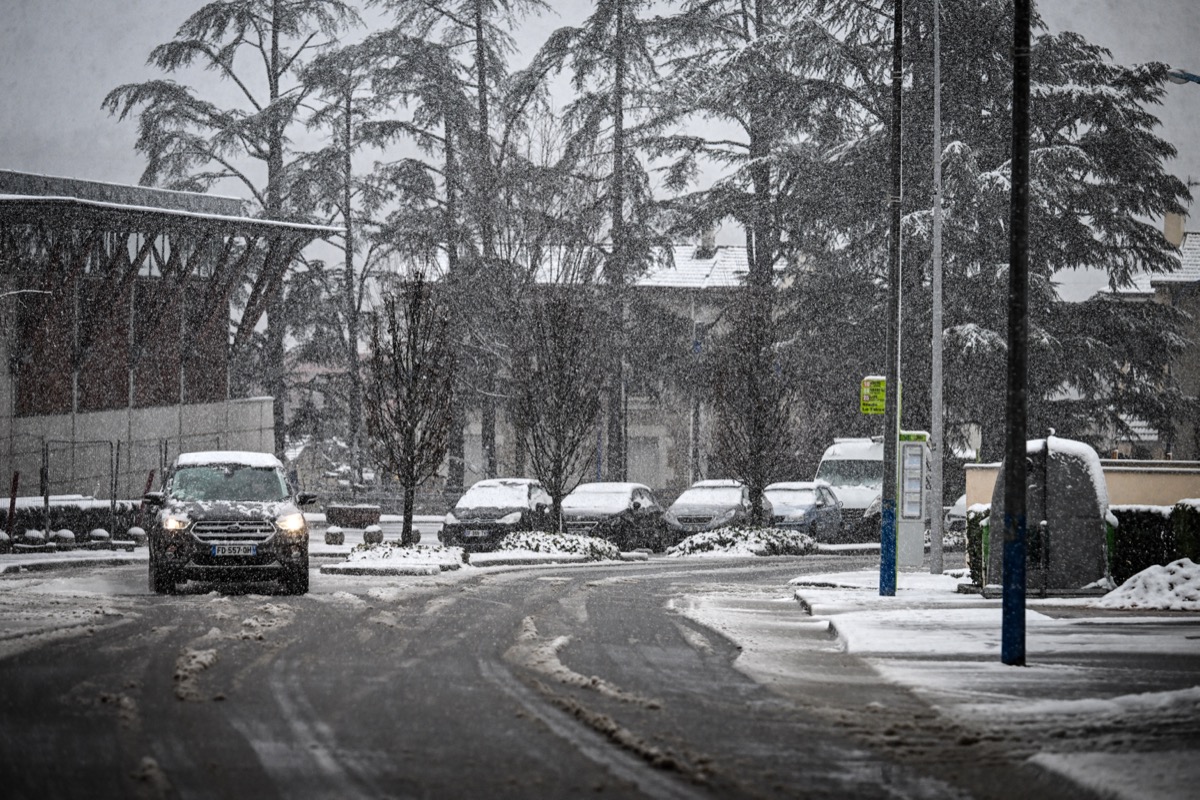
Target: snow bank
<point>1175,587</point>
<point>745,542</point>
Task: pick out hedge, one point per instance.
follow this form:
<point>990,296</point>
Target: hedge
<point>1144,536</point>
<point>78,518</point>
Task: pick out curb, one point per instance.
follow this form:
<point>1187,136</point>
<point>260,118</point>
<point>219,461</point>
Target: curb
<point>68,563</point>
<point>403,569</point>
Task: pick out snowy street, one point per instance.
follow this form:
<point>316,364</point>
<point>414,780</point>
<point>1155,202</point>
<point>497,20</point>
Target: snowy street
<point>690,677</point>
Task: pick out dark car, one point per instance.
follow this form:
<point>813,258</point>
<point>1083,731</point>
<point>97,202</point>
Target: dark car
<point>227,516</point>
<point>492,509</point>
<point>708,505</point>
<point>625,514</point>
<point>808,506</point>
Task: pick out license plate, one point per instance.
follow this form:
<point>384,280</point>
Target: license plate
<point>475,534</point>
<point>234,550</point>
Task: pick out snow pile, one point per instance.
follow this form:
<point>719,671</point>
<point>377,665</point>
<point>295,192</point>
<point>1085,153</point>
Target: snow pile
<point>1175,587</point>
<point>561,544</point>
<point>392,550</point>
<point>745,542</point>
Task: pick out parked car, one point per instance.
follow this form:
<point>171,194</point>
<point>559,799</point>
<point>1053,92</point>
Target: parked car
<point>712,504</point>
<point>626,514</point>
<point>227,516</point>
<point>492,509</point>
<point>955,520</point>
<point>808,506</point>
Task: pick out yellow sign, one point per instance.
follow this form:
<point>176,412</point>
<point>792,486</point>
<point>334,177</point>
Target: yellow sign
<point>872,395</point>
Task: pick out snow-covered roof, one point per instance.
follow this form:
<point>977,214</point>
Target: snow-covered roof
<point>243,457</point>
<point>1188,271</point>
<point>724,267</point>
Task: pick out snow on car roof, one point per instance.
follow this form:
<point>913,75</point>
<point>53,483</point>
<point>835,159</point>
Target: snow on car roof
<point>795,486</point>
<point>607,487</point>
<point>243,457</point>
<point>717,483</point>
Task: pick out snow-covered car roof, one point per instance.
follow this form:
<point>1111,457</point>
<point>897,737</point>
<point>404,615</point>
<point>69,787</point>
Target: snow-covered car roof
<point>612,496</point>
<point>497,493</point>
<point>242,457</point>
<point>855,450</point>
<point>719,483</point>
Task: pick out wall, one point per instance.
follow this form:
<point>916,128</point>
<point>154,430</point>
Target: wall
<point>84,449</point>
<point>1129,482</point>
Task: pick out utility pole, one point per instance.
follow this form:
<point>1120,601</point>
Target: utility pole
<point>937,443</point>
<point>1012,633</point>
<point>891,412</point>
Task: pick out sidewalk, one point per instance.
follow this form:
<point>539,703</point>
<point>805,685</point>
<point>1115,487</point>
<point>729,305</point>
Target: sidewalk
<point>1108,698</point>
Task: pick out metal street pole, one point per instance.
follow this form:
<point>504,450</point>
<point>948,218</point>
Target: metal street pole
<point>936,444</point>
<point>891,412</point>
<point>1012,633</point>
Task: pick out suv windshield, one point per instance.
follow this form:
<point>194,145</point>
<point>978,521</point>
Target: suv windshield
<point>230,482</point>
<point>851,473</point>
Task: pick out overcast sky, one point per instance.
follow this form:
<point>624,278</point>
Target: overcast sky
<point>58,59</point>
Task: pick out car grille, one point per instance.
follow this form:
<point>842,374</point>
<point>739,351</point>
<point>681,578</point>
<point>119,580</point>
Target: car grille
<point>239,531</point>
<point>583,526</point>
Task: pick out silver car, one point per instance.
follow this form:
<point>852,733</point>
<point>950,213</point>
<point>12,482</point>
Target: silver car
<point>712,504</point>
<point>808,506</point>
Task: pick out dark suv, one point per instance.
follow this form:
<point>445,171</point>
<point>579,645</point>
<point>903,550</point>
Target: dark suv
<point>227,516</point>
<point>492,509</point>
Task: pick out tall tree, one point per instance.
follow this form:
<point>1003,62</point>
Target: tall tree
<point>773,80</point>
<point>612,60</point>
<point>408,395</point>
<point>192,143</point>
<point>475,38</point>
<point>346,183</point>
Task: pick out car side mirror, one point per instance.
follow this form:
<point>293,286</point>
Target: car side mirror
<point>153,498</point>
<point>305,499</point>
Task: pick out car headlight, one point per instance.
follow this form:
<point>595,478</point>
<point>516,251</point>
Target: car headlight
<point>450,519</point>
<point>722,518</point>
<point>510,519</point>
<point>175,522</point>
<point>291,523</point>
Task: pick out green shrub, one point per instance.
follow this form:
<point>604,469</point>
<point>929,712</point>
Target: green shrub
<point>1143,538</point>
<point>977,520</point>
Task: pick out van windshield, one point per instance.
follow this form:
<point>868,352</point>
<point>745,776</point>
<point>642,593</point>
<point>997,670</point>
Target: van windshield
<point>857,472</point>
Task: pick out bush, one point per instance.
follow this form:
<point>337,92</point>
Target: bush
<point>977,520</point>
<point>1144,537</point>
<point>566,543</point>
<point>80,517</point>
<point>1185,519</point>
<point>747,541</point>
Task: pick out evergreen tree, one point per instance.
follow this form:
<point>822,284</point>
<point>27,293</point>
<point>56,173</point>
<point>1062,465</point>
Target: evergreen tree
<point>191,143</point>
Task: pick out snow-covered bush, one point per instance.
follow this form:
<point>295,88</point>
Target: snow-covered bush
<point>372,534</point>
<point>393,549</point>
<point>561,543</point>
<point>746,542</point>
<point>1175,587</point>
<point>335,535</point>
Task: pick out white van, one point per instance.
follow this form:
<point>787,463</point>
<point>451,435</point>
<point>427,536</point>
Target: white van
<point>853,468</point>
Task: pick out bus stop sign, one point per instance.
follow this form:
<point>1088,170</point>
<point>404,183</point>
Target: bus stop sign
<point>872,394</point>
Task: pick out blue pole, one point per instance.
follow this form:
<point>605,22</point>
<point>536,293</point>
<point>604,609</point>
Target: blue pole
<point>891,405</point>
<point>1012,628</point>
<point>1182,76</point>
